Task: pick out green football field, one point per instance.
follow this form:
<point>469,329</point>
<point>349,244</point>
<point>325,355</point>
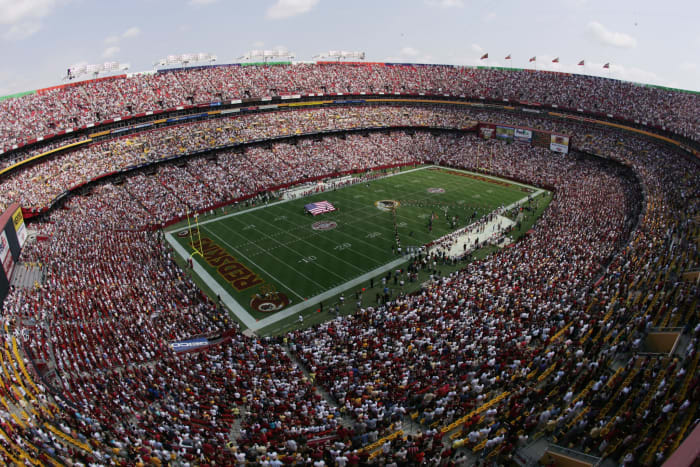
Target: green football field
<point>276,257</point>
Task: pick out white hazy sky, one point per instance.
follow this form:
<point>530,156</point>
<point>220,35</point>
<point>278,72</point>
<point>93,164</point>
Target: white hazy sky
<point>647,41</point>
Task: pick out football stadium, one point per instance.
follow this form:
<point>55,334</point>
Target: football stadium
<point>345,262</point>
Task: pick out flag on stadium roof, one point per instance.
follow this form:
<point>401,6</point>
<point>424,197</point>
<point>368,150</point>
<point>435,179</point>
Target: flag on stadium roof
<point>319,207</point>
<point>532,59</point>
<point>556,60</point>
<point>581,63</point>
<point>508,57</point>
<point>486,55</point>
<point>607,65</point>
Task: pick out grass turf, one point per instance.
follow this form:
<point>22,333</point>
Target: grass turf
<point>278,244</point>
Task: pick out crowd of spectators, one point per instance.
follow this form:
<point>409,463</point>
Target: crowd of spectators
<point>526,324</point>
<point>36,186</point>
<point>50,111</point>
<point>103,322</point>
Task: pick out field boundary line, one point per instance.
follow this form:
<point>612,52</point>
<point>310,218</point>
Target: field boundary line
<point>301,239</point>
<point>328,294</point>
<point>246,318</point>
<point>416,169</point>
<point>226,216</point>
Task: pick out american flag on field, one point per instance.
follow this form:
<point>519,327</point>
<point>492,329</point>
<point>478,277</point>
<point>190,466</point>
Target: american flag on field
<point>319,207</point>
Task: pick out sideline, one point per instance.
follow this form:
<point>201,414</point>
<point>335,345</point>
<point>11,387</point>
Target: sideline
<point>242,314</point>
<point>329,293</point>
<point>248,320</point>
<point>471,232</point>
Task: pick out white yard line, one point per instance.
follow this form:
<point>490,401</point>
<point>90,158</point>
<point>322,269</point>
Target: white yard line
<point>246,318</point>
<point>339,230</point>
<point>255,264</point>
<point>425,167</point>
<point>290,249</point>
<point>285,245</point>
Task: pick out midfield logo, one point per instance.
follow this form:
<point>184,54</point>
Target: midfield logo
<point>324,225</point>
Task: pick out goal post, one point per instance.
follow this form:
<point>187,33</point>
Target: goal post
<point>195,237</point>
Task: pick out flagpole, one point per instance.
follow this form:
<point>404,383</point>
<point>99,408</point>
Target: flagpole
<point>533,59</point>
<point>485,57</point>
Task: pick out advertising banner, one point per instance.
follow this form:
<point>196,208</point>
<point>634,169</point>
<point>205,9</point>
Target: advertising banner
<point>8,265</point>
<point>541,139</point>
<point>487,130</point>
<point>189,345</point>
<point>559,143</point>
<point>4,247</point>
<point>20,228</point>
<point>505,133</point>
<point>522,135</point>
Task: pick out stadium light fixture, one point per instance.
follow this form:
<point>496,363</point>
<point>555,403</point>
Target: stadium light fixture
<point>184,60</point>
<point>94,69</point>
<point>340,55</point>
<point>281,54</point>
